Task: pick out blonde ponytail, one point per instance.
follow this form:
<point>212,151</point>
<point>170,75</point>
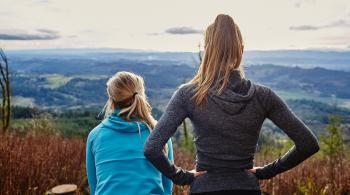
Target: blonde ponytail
<point>126,91</point>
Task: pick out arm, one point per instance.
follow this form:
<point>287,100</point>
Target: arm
<point>305,142</point>
<point>167,125</point>
<point>90,167</point>
<point>167,183</point>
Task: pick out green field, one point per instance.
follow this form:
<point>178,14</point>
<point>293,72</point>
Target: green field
<point>295,95</point>
<point>54,81</point>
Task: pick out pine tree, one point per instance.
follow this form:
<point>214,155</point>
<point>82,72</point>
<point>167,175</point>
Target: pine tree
<point>333,148</point>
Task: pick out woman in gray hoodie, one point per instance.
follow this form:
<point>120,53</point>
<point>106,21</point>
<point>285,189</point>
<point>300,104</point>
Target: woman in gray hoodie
<point>227,112</point>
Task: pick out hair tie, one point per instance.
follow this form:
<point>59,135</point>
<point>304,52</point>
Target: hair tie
<point>134,94</point>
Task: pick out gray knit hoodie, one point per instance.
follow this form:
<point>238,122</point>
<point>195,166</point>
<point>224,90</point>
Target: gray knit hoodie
<point>226,132</point>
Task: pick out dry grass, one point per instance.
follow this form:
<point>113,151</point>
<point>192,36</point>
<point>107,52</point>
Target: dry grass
<point>34,164</point>
<point>313,176</point>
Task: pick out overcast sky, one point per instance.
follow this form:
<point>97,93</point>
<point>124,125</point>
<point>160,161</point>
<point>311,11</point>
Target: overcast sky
<point>172,25</point>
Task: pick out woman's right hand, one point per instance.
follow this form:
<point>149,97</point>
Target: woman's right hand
<point>198,173</point>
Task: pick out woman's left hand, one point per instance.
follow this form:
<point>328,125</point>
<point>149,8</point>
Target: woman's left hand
<point>253,170</point>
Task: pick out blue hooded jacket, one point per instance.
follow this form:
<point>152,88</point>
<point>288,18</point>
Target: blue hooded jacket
<point>115,162</point>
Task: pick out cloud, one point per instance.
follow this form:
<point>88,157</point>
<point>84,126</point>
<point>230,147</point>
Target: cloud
<point>342,40</point>
<point>40,34</point>
<point>42,1</point>
<point>47,31</point>
<point>303,27</point>
<point>154,34</point>
<point>299,3</point>
<point>183,30</point>
<point>337,23</point>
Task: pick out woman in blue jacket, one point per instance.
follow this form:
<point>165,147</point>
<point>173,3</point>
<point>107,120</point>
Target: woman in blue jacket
<point>115,162</point>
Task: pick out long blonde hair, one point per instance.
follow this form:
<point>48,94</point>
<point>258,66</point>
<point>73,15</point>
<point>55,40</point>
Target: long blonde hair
<point>223,52</point>
<point>126,91</point>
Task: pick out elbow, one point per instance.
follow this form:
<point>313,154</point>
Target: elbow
<point>316,147</point>
<point>313,145</point>
<point>313,148</point>
<point>308,149</point>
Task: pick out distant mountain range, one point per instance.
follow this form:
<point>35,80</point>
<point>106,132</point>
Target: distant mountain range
<point>336,60</point>
<point>314,83</point>
<point>317,81</point>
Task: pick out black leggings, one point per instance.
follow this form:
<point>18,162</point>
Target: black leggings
<point>231,192</point>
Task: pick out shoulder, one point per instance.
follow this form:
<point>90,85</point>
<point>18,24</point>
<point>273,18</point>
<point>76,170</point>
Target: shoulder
<point>187,87</point>
<point>261,89</point>
<point>267,96</point>
<point>186,90</point>
<point>94,133</point>
<point>264,92</point>
<point>143,126</point>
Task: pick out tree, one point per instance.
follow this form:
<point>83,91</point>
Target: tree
<point>5,112</point>
<point>333,148</point>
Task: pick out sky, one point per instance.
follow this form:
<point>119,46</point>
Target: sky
<point>164,25</point>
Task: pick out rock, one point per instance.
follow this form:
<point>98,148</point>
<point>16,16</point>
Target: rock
<point>64,189</point>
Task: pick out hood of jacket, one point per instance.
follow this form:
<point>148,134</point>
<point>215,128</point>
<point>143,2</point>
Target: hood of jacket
<point>235,96</point>
<point>119,124</point>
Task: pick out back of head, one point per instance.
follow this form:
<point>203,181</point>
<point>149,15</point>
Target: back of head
<point>223,53</point>
<point>126,91</point>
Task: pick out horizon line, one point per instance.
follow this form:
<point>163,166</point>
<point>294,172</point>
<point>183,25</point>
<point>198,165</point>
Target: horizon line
<point>167,51</point>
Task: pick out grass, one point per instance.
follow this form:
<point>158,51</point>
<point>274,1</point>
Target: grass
<point>34,163</point>
<point>55,81</point>
<point>23,101</point>
<point>345,103</point>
